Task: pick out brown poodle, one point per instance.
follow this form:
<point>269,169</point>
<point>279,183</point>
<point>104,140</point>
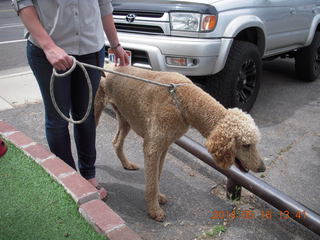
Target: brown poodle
<point>161,117</point>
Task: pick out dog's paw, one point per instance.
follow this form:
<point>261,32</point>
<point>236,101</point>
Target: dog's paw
<point>131,166</point>
<point>158,215</point>
<point>162,199</point>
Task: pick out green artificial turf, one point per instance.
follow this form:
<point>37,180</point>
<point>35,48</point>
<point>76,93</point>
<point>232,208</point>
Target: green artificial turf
<point>34,206</point>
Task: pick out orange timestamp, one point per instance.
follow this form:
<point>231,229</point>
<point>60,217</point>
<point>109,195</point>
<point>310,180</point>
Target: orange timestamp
<point>250,214</point>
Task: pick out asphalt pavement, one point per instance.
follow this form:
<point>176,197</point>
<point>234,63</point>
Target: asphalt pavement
<point>287,112</point>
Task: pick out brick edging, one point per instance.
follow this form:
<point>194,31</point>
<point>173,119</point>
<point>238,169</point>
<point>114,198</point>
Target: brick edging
<point>95,211</point>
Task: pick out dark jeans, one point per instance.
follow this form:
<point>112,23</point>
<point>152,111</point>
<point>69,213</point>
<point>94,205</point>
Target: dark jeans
<point>71,93</point>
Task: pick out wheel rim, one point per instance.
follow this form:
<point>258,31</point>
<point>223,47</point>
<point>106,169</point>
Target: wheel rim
<point>246,82</point>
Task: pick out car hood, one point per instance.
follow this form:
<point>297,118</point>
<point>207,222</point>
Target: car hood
<point>201,6</point>
<point>170,1</point>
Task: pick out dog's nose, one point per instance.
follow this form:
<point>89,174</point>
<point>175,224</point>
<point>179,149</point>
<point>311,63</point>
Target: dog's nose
<point>262,168</point>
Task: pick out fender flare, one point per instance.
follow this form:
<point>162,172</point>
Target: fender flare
<point>313,29</point>
<point>233,29</point>
<point>243,22</point>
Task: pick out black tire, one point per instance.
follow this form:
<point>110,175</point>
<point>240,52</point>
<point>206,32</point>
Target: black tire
<point>307,61</point>
<point>238,84</point>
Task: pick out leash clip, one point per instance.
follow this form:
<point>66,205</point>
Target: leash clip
<point>172,88</point>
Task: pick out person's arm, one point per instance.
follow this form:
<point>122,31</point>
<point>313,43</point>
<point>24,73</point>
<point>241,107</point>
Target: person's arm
<point>57,57</point>
<point>111,32</point>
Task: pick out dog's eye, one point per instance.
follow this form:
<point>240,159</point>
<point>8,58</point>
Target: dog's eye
<point>246,145</point>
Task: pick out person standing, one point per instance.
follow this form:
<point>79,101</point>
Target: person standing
<point>57,30</point>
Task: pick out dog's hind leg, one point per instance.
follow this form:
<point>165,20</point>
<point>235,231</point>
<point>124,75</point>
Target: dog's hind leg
<point>118,141</point>
<point>99,103</point>
<point>153,151</point>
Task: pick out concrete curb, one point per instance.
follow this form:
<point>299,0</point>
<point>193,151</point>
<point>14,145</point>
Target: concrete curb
<point>95,211</point>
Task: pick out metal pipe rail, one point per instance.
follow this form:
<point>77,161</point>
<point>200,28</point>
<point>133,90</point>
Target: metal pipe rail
<point>237,178</point>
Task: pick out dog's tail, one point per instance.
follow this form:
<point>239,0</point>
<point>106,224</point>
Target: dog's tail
<point>99,103</point>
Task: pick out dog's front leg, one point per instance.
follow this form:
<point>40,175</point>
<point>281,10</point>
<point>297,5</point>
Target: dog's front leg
<point>152,155</point>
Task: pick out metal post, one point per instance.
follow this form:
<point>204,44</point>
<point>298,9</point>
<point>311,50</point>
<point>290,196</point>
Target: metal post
<point>274,197</point>
<point>233,190</point>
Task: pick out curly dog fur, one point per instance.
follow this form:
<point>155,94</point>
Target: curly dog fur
<point>159,119</point>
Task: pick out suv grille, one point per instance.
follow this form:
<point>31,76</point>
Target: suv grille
<point>144,22</point>
<point>121,27</point>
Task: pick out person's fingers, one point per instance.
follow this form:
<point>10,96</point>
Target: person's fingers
<point>65,60</point>
<point>68,61</point>
<point>127,59</point>
<point>116,60</point>
<point>60,67</point>
<point>122,61</point>
<point>124,58</point>
<point>63,64</point>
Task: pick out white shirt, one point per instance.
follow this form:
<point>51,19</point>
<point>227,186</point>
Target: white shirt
<point>74,25</point>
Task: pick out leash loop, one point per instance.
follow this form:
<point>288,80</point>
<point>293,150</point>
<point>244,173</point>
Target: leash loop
<point>55,74</point>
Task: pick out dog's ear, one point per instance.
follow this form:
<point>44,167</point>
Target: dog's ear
<point>222,147</point>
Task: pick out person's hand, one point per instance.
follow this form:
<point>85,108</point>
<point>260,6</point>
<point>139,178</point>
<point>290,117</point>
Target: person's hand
<point>58,58</point>
<point>121,54</point>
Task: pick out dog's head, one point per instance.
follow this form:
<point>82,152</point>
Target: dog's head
<point>234,140</point>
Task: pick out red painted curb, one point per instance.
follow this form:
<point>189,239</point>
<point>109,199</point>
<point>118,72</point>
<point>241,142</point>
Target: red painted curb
<point>19,139</point>
<point>95,211</point>
<point>37,152</point>
<point>123,233</point>
<point>57,168</point>
<point>101,217</point>
<point>6,128</point>
<point>79,188</point>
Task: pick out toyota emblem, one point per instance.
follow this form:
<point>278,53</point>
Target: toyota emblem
<point>130,17</point>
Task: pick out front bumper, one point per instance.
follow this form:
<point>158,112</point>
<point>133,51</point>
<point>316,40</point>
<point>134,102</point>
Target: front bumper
<point>150,51</point>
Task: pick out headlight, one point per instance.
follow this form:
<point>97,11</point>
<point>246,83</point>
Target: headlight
<point>185,21</point>
<point>192,22</point>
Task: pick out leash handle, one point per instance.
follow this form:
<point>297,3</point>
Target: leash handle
<point>60,75</point>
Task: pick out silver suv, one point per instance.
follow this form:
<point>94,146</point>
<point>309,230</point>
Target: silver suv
<point>221,42</point>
